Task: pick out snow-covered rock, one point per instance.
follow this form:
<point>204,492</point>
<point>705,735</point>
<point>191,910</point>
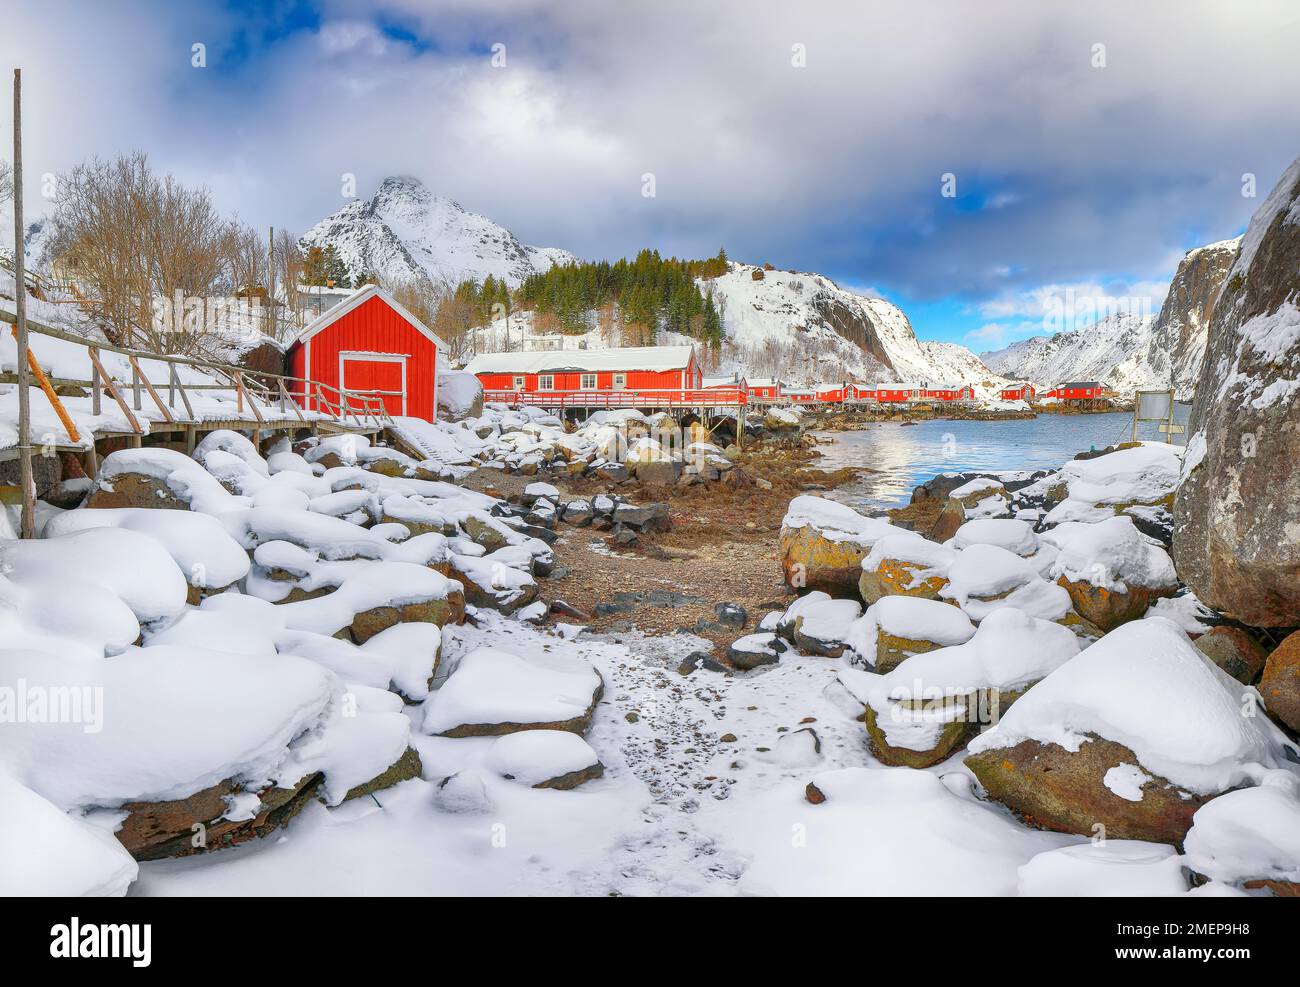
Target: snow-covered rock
<point>493,692</point>
<point>1144,696</point>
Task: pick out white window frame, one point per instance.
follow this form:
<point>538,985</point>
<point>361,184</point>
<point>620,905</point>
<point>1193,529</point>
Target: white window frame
<point>620,382</point>
<point>519,381</point>
<point>583,382</point>
<point>362,356</point>
<point>546,382</point>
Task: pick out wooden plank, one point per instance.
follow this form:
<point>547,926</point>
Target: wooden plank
<point>139,374</point>
<point>244,396</point>
<point>113,391</point>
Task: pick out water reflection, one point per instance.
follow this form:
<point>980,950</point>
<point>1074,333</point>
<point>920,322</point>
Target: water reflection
<point>902,456</point>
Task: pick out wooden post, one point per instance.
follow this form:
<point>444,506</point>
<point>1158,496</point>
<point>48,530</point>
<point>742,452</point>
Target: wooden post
<point>20,293</point>
<point>95,390</point>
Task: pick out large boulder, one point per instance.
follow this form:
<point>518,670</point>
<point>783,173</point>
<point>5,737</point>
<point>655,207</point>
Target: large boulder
<point>1111,570</point>
<point>1126,740</point>
<point>1236,512</point>
<point>460,396</point>
<point>1235,651</point>
<point>492,693</point>
<point>901,565</point>
<point>1280,684</point>
<point>823,544</point>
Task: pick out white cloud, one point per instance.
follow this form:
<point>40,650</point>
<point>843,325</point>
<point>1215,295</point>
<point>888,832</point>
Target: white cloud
<point>833,167</point>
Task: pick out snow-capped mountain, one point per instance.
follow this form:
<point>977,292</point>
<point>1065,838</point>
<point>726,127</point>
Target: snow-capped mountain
<point>785,323</point>
<point>1129,352</point>
<point>406,232</point>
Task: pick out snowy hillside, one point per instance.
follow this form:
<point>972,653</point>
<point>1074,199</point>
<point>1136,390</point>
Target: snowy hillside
<point>1090,353</point>
<point>404,231</point>
<point>786,320</point>
<point>1128,352</point>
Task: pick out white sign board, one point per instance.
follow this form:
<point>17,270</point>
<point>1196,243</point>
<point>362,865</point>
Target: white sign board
<point>1155,405</point>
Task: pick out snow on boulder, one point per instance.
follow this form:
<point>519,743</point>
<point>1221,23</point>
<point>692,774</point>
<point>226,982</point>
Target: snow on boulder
<point>932,703</point>
<point>491,581</point>
<point>1144,696</point>
<point>158,477</point>
<point>357,753</point>
<point>1251,835</point>
<point>373,596</point>
<point>165,734</point>
<point>64,614</point>
<point>903,565</point>
<point>983,497</point>
<point>986,578</point>
<point>823,543</point>
<point>415,649</point>
<point>134,567</point>
<point>1015,536</point>
<point>1111,570</point>
<point>493,692</point>
<point>1092,489</point>
<point>235,445</point>
<point>44,851</point>
<point>199,545</point>
<point>955,845</point>
<point>544,759</point>
<point>1105,869</point>
<point>896,627</point>
<point>819,625</point>
<point>753,650</point>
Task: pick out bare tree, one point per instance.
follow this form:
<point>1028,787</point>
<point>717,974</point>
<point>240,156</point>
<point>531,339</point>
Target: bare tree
<point>135,242</point>
<point>6,182</point>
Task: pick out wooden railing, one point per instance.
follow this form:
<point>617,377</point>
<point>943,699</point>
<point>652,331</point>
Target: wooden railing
<point>261,393</point>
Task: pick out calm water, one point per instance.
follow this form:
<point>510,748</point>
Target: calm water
<point>905,455</point>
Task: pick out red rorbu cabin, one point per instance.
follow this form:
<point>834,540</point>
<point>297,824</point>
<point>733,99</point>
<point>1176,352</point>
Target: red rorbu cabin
<point>1078,390</point>
<point>1021,392</point>
<point>368,342</point>
<point>630,368</point>
<point>764,388</point>
<point>887,393</point>
<point>831,395</point>
<point>948,392</point>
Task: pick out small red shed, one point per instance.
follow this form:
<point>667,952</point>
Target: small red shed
<point>368,342</point>
<point>765,388</point>
<point>1021,392</point>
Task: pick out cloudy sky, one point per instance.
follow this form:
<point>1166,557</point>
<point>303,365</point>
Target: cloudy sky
<point>1089,144</point>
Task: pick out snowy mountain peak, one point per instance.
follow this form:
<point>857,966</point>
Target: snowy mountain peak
<point>405,232</point>
<point>1128,352</point>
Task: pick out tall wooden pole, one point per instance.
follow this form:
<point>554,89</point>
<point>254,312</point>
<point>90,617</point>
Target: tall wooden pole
<point>20,302</point>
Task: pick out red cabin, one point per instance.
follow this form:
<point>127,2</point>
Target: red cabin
<point>368,342</point>
<point>630,368</point>
<point>830,395</point>
<point>1078,390</point>
<point>889,393</point>
<point>800,395</point>
<point>860,392</point>
<point>765,388</point>
<point>1022,392</point>
<point>948,392</point>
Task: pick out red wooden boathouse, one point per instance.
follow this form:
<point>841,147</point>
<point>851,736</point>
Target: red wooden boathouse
<point>368,342</point>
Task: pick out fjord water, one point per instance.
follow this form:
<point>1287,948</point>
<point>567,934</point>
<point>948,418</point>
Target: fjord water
<point>901,456</point>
